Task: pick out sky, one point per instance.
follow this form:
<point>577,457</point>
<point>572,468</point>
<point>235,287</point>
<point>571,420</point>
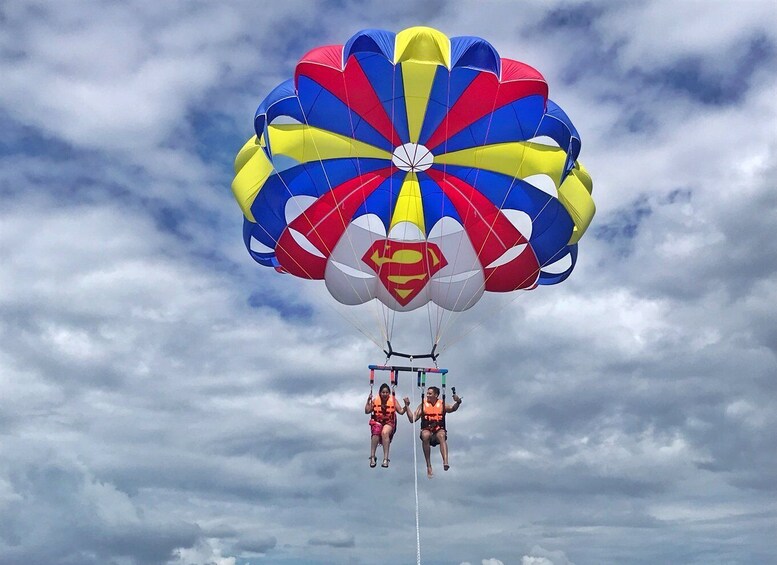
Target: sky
<point>164,400</point>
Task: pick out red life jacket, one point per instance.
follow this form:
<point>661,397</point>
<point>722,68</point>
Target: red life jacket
<point>387,416</point>
<point>433,414</point>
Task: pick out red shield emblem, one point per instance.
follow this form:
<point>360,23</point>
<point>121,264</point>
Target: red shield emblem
<point>404,267</point>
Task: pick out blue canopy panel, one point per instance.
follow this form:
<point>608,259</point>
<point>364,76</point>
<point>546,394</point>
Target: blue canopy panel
<point>383,199</point>
<point>551,223</point>
<point>436,204</point>
<point>517,121</point>
<point>250,230</point>
<point>324,110</point>
<point>475,53</point>
<point>284,96</point>
<point>369,41</point>
<point>555,278</point>
<point>447,87</point>
<point>386,81</point>
<point>307,179</point>
<point>269,207</point>
<point>557,126</point>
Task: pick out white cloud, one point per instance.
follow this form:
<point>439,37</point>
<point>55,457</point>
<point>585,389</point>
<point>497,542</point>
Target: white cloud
<point>535,561</point>
<point>663,35</point>
<point>541,556</point>
<point>201,554</point>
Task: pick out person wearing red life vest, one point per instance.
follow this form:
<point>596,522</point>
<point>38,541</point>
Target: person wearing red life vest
<point>383,423</point>
<point>433,433</point>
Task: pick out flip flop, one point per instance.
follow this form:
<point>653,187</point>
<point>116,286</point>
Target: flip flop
<point>373,461</point>
<point>385,463</point>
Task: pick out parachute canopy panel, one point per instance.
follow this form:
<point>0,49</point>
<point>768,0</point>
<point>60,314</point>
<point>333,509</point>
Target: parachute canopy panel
<point>402,167</point>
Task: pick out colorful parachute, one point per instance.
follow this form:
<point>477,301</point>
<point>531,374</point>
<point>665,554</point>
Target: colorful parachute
<point>413,167</point>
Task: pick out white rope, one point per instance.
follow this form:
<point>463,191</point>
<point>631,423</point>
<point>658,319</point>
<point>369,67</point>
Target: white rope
<point>415,479</point>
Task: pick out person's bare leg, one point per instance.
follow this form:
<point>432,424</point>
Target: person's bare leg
<point>425,437</point>
<point>373,447</point>
<point>385,436</point>
<point>443,449</point>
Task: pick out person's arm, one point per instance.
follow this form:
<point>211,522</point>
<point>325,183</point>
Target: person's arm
<point>456,404</point>
<point>368,406</point>
<point>405,407</point>
<point>413,417</point>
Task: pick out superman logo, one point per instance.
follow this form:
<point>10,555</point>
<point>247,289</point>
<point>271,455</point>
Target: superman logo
<point>404,267</point>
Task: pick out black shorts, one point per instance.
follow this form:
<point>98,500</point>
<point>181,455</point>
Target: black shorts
<point>433,440</point>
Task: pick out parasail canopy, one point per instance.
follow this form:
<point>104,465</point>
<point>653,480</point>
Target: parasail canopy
<point>413,168</point>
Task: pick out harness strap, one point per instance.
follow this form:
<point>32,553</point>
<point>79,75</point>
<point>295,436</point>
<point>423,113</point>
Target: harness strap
<point>422,386</point>
<point>443,402</point>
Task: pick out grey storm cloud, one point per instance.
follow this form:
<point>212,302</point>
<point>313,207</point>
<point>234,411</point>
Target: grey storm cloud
<point>55,511</point>
<point>257,544</point>
<point>333,539</point>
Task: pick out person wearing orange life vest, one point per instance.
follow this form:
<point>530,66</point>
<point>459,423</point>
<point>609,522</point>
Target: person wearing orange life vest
<point>383,422</point>
<point>433,433</point>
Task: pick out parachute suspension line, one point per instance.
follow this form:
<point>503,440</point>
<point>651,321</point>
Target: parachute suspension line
<point>408,201</point>
<point>441,311</point>
<point>483,312</point>
<point>429,317</point>
<point>353,321</point>
<point>452,314</point>
<point>501,206</point>
<point>534,273</point>
<point>491,310</point>
<point>337,204</point>
<point>392,316</point>
<point>387,314</point>
<point>474,185</point>
<point>379,308</point>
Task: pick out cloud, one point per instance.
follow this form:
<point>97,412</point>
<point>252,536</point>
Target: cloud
<point>339,539</point>
<point>684,31</point>
<point>541,556</point>
<point>201,554</point>
<point>256,544</point>
<point>54,511</point>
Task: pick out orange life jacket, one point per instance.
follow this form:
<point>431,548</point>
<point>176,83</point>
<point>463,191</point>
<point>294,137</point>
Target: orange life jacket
<point>433,414</point>
<point>378,412</point>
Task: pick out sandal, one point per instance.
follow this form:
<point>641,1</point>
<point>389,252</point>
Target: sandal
<point>373,461</point>
<point>385,463</point>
